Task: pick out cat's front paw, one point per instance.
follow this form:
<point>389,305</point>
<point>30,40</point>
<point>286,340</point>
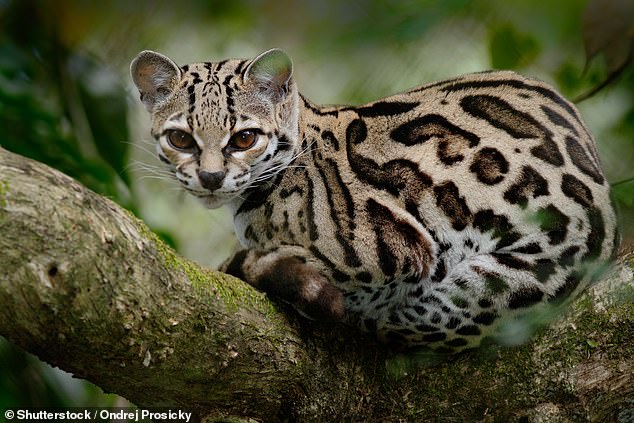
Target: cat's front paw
<point>290,279</point>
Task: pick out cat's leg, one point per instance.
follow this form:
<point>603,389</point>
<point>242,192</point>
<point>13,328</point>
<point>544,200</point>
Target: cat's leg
<point>287,273</point>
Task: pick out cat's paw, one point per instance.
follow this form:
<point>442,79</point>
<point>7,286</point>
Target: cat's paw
<point>290,279</point>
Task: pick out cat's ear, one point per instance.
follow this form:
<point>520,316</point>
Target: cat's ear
<point>271,71</point>
<point>155,76</point>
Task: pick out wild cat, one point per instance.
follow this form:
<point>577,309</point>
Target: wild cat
<point>432,217</point>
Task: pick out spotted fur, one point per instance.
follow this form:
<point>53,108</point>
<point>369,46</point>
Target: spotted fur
<point>434,217</point>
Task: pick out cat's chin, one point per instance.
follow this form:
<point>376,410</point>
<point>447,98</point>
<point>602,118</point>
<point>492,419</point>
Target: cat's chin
<point>213,202</point>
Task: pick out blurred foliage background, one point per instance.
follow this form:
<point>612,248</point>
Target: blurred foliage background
<point>66,98</point>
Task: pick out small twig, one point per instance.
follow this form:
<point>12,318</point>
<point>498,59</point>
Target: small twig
<point>624,181</point>
<point>613,76</point>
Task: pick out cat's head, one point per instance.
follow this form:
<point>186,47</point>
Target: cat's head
<point>221,127</point>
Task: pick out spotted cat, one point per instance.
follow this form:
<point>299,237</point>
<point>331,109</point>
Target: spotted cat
<point>432,217</point>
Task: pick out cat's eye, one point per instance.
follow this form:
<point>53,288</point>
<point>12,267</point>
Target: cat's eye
<point>181,140</point>
<point>243,140</point>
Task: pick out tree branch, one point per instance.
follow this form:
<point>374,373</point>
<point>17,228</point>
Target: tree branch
<point>87,287</point>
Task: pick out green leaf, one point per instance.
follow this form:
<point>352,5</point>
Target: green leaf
<point>623,192</point>
<point>510,49</point>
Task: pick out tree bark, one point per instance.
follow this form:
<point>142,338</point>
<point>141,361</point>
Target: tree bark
<point>87,287</point>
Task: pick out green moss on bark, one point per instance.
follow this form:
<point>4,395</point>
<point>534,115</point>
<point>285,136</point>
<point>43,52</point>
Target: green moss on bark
<point>4,190</point>
<point>234,293</point>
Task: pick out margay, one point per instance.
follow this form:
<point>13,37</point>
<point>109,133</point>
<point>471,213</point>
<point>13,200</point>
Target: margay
<point>433,217</point>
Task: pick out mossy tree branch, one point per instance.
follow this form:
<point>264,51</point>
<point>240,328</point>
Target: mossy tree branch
<point>86,287</point>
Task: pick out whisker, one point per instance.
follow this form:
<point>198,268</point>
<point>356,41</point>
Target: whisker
<point>145,146</point>
<point>272,170</point>
<point>166,178</point>
<point>144,168</point>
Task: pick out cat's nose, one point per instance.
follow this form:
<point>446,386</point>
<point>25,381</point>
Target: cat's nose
<point>211,180</point>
